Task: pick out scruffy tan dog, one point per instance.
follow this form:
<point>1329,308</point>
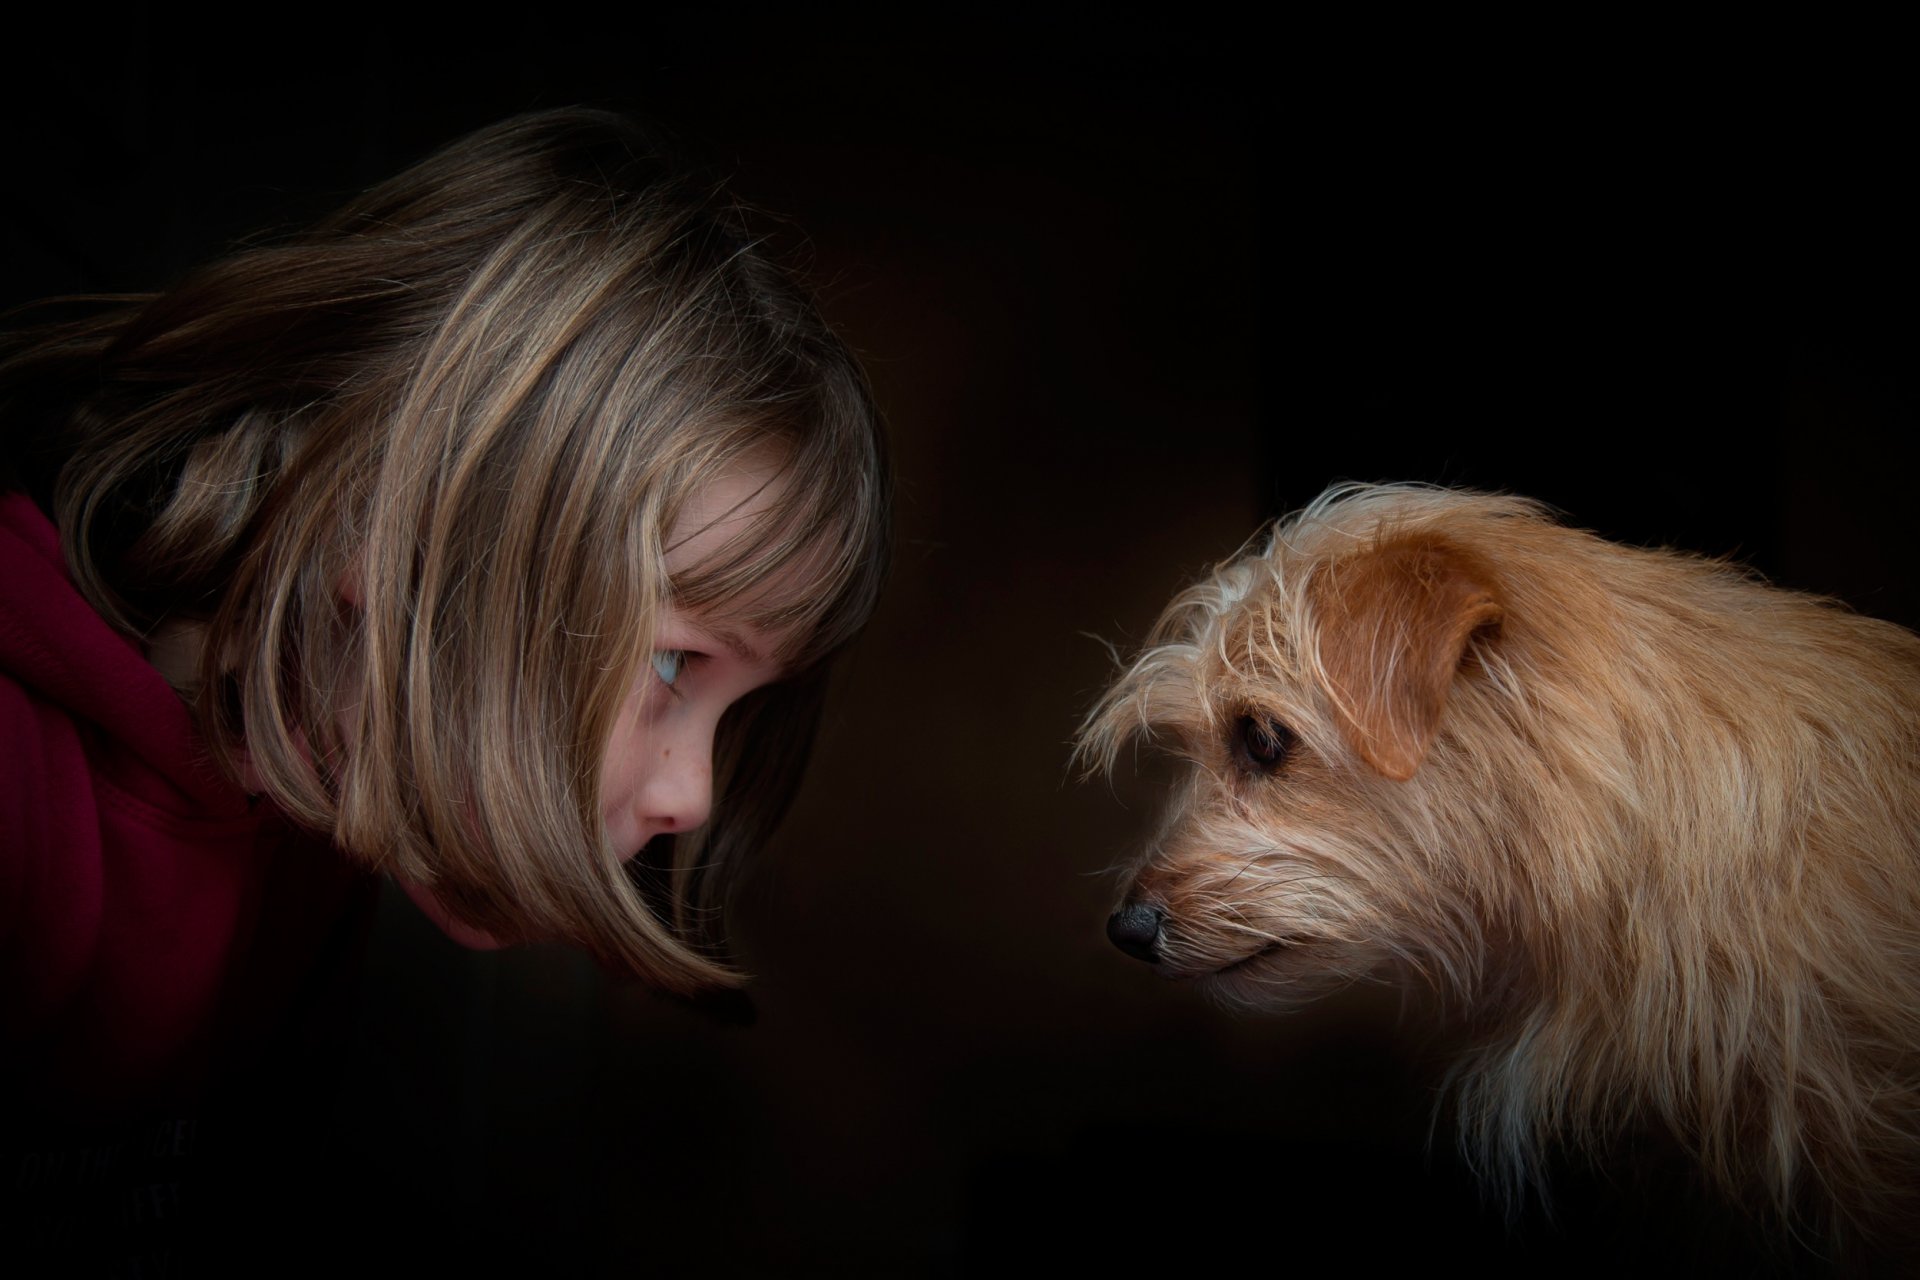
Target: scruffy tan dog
<point>1655,824</point>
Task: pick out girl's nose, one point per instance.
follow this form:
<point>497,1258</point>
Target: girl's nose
<point>680,791</point>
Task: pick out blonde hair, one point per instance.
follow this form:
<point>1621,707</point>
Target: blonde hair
<point>474,401</point>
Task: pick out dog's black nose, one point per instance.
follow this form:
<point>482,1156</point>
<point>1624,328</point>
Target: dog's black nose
<point>1135,929</point>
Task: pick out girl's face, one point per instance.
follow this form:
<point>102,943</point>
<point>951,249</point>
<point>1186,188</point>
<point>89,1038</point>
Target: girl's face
<point>657,775</point>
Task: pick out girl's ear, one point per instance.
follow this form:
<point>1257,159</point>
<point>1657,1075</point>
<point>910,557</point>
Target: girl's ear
<point>351,586</point>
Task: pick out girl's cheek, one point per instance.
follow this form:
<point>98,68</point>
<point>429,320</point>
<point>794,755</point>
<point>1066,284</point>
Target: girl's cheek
<point>621,780</point>
<point>623,837</point>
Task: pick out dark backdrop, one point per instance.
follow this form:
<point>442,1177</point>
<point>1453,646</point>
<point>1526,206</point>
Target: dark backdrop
<point>1123,295</point>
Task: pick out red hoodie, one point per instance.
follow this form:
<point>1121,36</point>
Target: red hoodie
<point>151,915</point>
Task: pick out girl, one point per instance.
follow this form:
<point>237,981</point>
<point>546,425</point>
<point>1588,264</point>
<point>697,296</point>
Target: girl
<point>493,535</point>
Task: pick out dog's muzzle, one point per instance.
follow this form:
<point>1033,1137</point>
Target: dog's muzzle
<point>1135,929</point>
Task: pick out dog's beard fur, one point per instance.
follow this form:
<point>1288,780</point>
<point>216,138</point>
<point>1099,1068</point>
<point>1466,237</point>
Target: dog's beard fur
<point>1653,826</point>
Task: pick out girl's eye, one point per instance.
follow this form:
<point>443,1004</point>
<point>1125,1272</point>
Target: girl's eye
<point>668,663</point>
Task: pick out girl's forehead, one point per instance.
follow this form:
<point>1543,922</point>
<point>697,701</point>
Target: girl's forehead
<point>720,511</point>
<point>772,615</point>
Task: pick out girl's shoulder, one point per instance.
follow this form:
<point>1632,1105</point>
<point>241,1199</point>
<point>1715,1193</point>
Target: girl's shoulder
<point>131,874</point>
<point>75,668</point>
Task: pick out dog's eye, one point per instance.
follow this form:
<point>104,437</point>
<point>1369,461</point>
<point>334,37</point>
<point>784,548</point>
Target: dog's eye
<point>1262,744</point>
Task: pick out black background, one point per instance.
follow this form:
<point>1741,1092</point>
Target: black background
<point>1124,292</point>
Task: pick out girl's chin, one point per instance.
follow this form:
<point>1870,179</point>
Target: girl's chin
<point>451,925</point>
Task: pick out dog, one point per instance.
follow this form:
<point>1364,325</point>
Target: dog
<point>1650,826</point>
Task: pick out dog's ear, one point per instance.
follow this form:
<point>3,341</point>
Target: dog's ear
<point>1393,623</point>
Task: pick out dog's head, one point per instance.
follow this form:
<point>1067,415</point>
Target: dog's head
<point>1328,819</point>
<point>1647,820</point>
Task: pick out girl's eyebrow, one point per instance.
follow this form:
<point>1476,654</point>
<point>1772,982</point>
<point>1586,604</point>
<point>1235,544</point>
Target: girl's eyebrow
<point>732,640</point>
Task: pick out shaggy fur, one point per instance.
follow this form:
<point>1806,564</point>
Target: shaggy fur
<point>1653,823</point>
